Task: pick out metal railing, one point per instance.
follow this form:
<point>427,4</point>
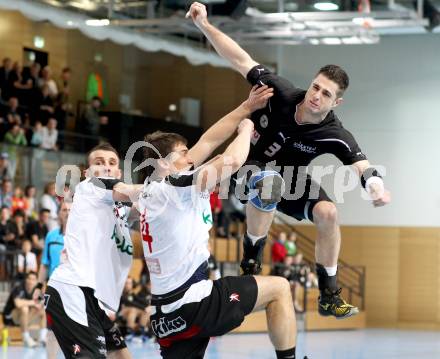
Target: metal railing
<point>9,266</point>
<point>38,166</point>
<point>350,278</point>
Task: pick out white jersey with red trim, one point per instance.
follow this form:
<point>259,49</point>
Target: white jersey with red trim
<point>97,247</point>
<point>175,224</point>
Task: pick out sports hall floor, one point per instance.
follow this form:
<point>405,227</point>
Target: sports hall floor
<point>359,344</point>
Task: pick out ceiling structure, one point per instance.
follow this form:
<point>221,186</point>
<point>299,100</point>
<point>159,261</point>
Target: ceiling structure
<point>268,21</point>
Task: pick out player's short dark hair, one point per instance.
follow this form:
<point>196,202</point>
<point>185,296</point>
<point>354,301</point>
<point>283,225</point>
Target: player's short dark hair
<point>105,146</point>
<point>161,145</point>
<point>19,213</point>
<point>337,75</point>
<point>163,142</point>
<point>44,210</point>
<point>28,274</point>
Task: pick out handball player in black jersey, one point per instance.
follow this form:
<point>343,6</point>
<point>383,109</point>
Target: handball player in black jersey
<point>293,128</point>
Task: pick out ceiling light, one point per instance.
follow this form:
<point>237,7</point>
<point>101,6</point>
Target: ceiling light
<point>39,42</point>
<point>352,40</point>
<point>331,41</point>
<point>326,6</point>
<point>98,22</point>
<point>86,5</point>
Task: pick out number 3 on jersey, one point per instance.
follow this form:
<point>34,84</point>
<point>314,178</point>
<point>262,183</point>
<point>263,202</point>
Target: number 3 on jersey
<point>273,148</point>
<point>145,231</point>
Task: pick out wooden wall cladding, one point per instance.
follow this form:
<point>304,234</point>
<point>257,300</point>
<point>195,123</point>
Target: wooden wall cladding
<point>402,273</point>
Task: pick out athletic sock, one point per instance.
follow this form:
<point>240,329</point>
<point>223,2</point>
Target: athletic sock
<point>26,335</point>
<point>331,271</point>
<point>254,239</point>
<point>43,334</point>
<point>324,279</point>
<point>286,354</point>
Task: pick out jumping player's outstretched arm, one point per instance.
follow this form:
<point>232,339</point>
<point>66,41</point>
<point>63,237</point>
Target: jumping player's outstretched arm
<point>373,183</point>
<point>223,166</point>
<point>223,44</point>
<point>224,128</point>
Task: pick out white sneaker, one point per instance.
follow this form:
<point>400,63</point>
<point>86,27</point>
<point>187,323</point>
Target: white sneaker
<point>29,342</point>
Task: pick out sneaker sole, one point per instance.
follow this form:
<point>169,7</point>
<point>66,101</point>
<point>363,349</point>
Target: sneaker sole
<point>351,313</point>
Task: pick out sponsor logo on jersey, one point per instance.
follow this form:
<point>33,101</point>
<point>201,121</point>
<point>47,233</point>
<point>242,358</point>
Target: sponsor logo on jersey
<point>153,265</point>
<point>46,300</point>
<point>234,297</point>
<point>162,327</point>
<point>304,148</point>
<point>124,245</point>
<point>76,349</point>
<point>207,218</point>
<point>264,121</point>
<point>146,195</point>
<point>204,195</point>
<point>255,137</point>
<point>284,138</point>
<point>119,211</point>
<point>103,351</point>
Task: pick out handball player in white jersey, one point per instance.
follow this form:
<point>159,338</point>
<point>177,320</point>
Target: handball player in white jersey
<point>95,263</point>
<point>188,308</point>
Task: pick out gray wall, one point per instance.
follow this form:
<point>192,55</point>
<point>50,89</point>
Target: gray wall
<point>392,108</point>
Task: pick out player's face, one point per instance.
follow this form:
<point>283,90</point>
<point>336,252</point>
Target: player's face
<point>104,164</point>
<point>180,158</point>
<point>63,214</point>
<point>322,95</point>
<point>31,281</point>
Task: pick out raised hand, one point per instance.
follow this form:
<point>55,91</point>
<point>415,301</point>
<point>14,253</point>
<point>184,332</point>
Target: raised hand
<point>198,13</point>
<point>379,195</point>
<point>258,98</point>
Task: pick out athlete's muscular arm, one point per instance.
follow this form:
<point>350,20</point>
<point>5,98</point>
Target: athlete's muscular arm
<point>20,303</point>
<point>42,273</point>
<point>223,44</point>
<point>136,240</point>
<point>376,189</point>
<point>218,133</point>
<point>126,193</point>
<point>134,214</point>
<point>224,165</point>
<point>42,276</point>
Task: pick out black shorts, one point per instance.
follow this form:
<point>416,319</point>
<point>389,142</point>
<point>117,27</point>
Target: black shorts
<point>304,193</point>
<point>185,332</point>
<point>77,340</point>
<point>302,207</point>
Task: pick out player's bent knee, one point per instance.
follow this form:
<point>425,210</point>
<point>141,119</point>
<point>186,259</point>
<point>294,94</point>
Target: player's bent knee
<point>280,286</point>
<point>325,211</point>
<point>24,310</point>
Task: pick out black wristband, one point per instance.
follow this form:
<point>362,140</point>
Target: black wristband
<point>105,183</point>
<point>39,286</point>
<point>368,173</point>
